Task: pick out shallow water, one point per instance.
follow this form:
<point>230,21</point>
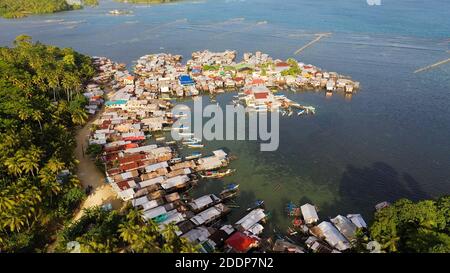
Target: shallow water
<point>390,140</point>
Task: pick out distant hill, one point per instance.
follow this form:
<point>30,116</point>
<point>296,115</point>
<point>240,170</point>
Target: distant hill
<point>23,8</point>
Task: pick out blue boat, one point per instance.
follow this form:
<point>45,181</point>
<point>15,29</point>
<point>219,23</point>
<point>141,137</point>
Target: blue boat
<point>256,204</point>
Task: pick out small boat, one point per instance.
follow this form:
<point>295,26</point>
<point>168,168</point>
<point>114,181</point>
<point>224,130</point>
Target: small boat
<point>196,145</point>
<point>217,174</point>
<point>290,113</point>
<point>186,134</point>
<point>175,160</point>
<point>180,116</point>
<point>171,142</point>
<point>180,128</point>
<point>194,156</point>
<point>301,112</point>
<point>192,141</point>
<point>160,138</point>
<point>256,204</point>
<point>230,190</point>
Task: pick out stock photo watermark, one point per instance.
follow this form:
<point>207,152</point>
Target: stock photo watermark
<point>262,126</point>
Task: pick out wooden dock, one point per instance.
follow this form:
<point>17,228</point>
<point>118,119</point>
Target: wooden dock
<point>432,66</point>
<point>318,38</point>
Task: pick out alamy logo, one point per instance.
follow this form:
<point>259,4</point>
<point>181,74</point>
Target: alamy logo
<point>222,126</point>
<point>374,2</point>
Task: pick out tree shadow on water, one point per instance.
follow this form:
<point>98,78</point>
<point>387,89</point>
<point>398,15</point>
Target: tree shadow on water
<point>362,188</point>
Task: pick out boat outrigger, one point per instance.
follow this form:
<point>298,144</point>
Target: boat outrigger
<point>217,174</point>
<point>230,191</point>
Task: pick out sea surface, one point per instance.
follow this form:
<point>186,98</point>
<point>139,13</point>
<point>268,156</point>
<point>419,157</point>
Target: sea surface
<point>389,140</point>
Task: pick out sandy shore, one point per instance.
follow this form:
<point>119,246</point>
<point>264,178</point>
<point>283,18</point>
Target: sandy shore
<point>88,173</point>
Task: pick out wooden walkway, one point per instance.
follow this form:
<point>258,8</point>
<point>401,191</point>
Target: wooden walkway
<point>432,66</point>
<point>318,38</point>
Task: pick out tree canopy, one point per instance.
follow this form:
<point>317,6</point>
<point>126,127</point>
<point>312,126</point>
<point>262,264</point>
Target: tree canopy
<point>420,227</point>
<point>22,8</point>
<point>103,231</point>
<point>40,106</point>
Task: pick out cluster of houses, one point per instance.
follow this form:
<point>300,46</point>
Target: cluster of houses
<point>334,236</point>
<point>156,180</point>
<point>152,176</point>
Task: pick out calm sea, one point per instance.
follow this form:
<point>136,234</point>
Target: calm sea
<point>388,141</point>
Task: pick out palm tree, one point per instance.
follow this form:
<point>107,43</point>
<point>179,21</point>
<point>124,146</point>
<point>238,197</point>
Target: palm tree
<point>79,116</point>
<point>37,116</point>
<point>14,166</point>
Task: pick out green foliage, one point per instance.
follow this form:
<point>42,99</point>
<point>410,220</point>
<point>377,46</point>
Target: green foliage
<point>21,8</point>
<point>99,230</point>
<point>96,231</point>
<point>210,67</point>
<point>94,150</point>
<point>40,104</point>
<point>413,227</point>
<point>294,69</point>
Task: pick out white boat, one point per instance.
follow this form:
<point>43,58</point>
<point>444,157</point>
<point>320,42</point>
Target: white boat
<point>196,145</point>
<point>186,134</point>
<point>301,112</point>
<point>180,128</point>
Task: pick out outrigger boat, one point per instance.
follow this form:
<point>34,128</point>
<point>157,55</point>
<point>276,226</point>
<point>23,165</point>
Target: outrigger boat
<point>217,174</point>
<point>196,145</point>
<point>301,112</point>
<point>256,204</point>
<point>230,191</point>
<point>194,156</point>
<point>186,134</point>
<point>180,128</point>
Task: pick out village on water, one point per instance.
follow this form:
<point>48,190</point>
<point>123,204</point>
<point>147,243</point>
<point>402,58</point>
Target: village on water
<point>132,110</point>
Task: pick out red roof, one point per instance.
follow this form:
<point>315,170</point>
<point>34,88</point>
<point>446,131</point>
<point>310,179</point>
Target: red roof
<point>123,185</point>
<point>131,158</point>
<point>238,79</point>
<point>133,138</point>
<point>247,91</point>
<point>240,242</point>
<point>257,81</point>
<point>131,145</point>
<point>282,64</point>
<point>261,95</point>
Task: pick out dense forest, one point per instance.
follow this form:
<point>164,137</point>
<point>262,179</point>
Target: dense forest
<point>22,8</point>
<point>105,231</point>
<point>40,106</point>
<point>410,227</point>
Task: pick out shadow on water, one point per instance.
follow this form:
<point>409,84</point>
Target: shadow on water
<point>362,188</point>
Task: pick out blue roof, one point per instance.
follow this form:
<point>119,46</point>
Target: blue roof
<point>115,102</point>
<point>186,80</point>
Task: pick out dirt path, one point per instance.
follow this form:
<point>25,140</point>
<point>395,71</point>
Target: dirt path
<point>88,173</point>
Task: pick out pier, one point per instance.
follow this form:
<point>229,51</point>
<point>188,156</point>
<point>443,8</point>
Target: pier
<point>317,39</point>
<point>428,67</point>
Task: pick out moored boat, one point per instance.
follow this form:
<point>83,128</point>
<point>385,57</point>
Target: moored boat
<point>217,174</point>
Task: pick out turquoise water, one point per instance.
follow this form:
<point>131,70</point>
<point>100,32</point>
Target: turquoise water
<point>390,140</point>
